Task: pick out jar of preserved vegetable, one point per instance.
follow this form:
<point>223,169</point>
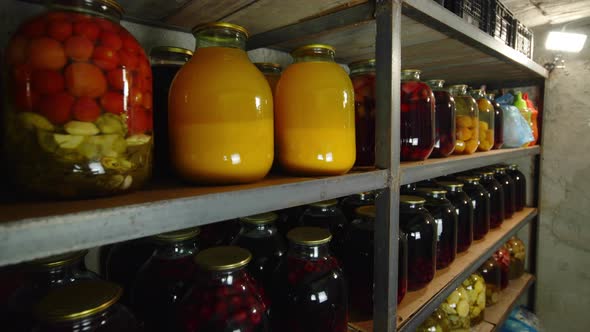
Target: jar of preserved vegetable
<point>311,293</point>
<point>464,210</point>
<point>260,236</point>
<point>437,322</point>
<point>78,116</point>
<point>498,122</point>
<point>417,117</point>
<point>457,308</point>
<point>328,215</point>
<point>221,111</point>
<point>224,296</point>
<point>517,252</point>
<point>362,74</point>
<point>166,62</point>
<point>164,279</point>
<point>509,189</point>
<point>519,186</point>
<point>486,120</point>
<point>496,197</point>
<point>408,189</point>
<point>272,73</point>
<point>445,138</point>
<point>445,218</point>
<point>492,274</point>
<point>315,114</point>
<point>502,257</point>
<point>420,228</point>
<point>480,199</point>
<point>351,203</point>
<point>476,291</point>
<point>85,306</point>
<point>467,115</point>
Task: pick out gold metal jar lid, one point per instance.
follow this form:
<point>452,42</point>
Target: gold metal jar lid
<point>411,71</point>
<point>319,47</point>
<point>450,184</point>
<point>309,236</point>
<point>178,236</point>
<point>409,199</point>
<point>361,63</point>
<point>78,300</point>
<point>366,211</point>
<point>225,25</point>
<point>513,167</point>
<point>114,5</point>
<point>260,219</point>
<point>431,190</point>
<point>500,167</point>
<point>170,49</point>
<point>485,172</point>
<point>223,258</point>
<point>59,260</point>
<point>325,204</point>
<point>469,177</point>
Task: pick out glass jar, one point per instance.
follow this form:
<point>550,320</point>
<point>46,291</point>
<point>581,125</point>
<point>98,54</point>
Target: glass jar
<point>85,306</point>
<point>315,114</point>
<point>78,115</point>
<point>289,218</point>
<point>491,273</point>
<point>509,190</point>
<point>463,210</point>
<point>502,257</point>
<point>362,75</point>
<point>487,116</point>
<point>272,73</point>
<point>498,122</point>
<point>467,115</point>
<point>496,197</point>
<point>350,203</point>
<point>480,199</point>
<point>437,322</point>
<point>166,62</point>
<point>517,252</point>
<point>445,138</point>
<point>310,294</point>
<point>519,187</point>
<point>445,218</point>
<point>420,227</point>
<point>525,111</point>
<point>219,233</point>
<point>164,279</point>
<point>224,296</point>
<point>476,292</point>
<point>417,128</point>
<point>408,189</point>
<point>260,236</point>
<point>39,278</point>
<point>457,308</point>
<point>220,111</point>
<point>328,215</point>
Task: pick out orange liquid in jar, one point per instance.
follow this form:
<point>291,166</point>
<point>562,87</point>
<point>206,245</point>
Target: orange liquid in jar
<point>315,119</point>
<point>221,118</point>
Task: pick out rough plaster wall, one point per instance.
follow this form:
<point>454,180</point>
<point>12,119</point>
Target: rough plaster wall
<point>564,252</point>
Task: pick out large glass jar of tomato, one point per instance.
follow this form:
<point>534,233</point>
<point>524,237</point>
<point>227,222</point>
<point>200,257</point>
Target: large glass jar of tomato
<point>496,191</point>
<point>328,215</point>
<point>445,140</point>
<point>509,189</point>
<point>164,279</point>
<point>166,62</point>
<point>480,199</point>
<point>417,117</point>
<point>420,228</point>
<point>498,122</point>
<point>362,74</point>
<point>464,210</point>
<point>78,109</point>
<point>85,306</point>
<point>350,203</point>
<point>224,296</point>
<point>487,118</point>
<point>519,186</point>
<point>310,294</point>
<point>502,257</point>
<point>492,274</point>
<point>467,128</point>
<point>220,111</point>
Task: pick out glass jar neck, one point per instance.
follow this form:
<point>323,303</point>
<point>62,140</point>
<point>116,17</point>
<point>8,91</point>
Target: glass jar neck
<point>478,94</point>
<point>364,69</point>
<point>226,278</point>
<point>266,229</point>
<point>458,90</point>
<point>314,55</point>
<point>49,276</point>
<point>220,37</point>
<point>267,69</point>
<point>411,75</point>
<point>487,176</point>
<point>436,84</point>
<point>436,197</point>
<point>455,189</point>
<point>500,171</point>
<point>169,59</point>
<point>90,323</point>
<point>172,250</point>
<point>310,252</point>
<point>91,7</point>
<point>411,206</point>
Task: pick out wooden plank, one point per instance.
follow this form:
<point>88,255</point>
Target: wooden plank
<point>483,327</point>
<point>203,11</point>
<point>498,313</point>
<point>152,10</point>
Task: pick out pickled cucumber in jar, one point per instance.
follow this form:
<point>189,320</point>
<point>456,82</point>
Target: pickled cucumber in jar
<point>517,252</point>
<point>476,291</point>
<point>490,271</point>
<point>437,322</point>
<point>457,309</point>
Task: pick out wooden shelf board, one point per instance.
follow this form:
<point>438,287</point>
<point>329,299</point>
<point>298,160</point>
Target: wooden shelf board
<point>498,313</point>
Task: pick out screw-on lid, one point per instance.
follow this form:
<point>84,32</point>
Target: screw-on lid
<point>225,25</point>
<point>158,50</point>
<point>309,236</point>
<point>469,178</point>
<point>325,204</point>
<point>260,219</point>
<point>223,258</point>
<point>366,211</point>
<point>452,185</point>
<point>431,190</point>
<point>59,260</point>
<point>408,199</point>
<point>318,47</point>
<point>178,236</point>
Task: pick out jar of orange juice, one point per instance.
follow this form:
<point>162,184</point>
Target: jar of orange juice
<point>315,114</point>
<point>220,111</point>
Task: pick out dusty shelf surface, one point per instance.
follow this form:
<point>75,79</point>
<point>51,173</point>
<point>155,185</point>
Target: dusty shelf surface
<point>498,313</point>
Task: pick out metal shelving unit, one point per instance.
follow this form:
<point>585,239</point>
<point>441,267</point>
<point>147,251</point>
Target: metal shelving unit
<point>409,33</point>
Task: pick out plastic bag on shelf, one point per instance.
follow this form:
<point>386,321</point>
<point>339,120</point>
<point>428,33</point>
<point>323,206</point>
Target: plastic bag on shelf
<point>522,320</point>
<point>517,131</point>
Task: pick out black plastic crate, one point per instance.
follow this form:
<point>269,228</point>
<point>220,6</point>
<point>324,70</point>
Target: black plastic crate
<point>502,23</point>
<point>523,39</point>
<point>476,12</point>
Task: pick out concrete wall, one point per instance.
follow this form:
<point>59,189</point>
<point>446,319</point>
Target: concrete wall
<point>564,252</point>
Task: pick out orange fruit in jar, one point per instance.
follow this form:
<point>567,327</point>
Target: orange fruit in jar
<point>46,53</point>
<point>85,79</point>
<point>57,108</point>
<point>119,77</point>
<point>79,48</point>
<point>25,99</point>
<point>22,73</point>
<point>34,28</point>
<point>139,120</point>
<point>105,58</point>
<point>86,109</point>
<point>47,81</point>
<point>17,50</point>
<point>87,28</point>
<point>111,40</point>
<point>128,59</point>
<point>59,30</point>
<point>113,102</point>
<point>471,145</point>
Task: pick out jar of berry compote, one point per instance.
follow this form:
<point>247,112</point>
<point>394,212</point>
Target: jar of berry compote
<point>480,199</point>
<point>219,233</point>
<point>498,122</point>
<point>350,203</point>
<point>445,217</point>
<point>491,273</point>
<point>224,297</point>
<point>519,186</point>
<point>420,228</point>
<point>260,236</point>
<point>445,140</point>
<point>509,190</point>
<point>85,306</point>
<point>502,257</point>
<point>310,294</point>
<point>464,211</point>
<point>164,279</point>
<point>496,191</point>
<point>327,214</point>
<point>362,75</point>
<point>417,127</point>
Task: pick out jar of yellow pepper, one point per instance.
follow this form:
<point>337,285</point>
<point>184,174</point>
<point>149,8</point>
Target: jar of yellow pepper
<point>467,118</point>
<point>486,120</point>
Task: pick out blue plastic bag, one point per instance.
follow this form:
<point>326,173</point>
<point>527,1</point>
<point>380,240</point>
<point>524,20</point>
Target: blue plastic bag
<point>522,320</point>
<point>517,132</point>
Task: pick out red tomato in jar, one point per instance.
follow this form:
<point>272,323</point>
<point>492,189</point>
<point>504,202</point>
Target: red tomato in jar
<point>79,48</point>
<point>60,30</point>
<point>85,79</point>
<point>119,77</point>
<point>46,53</point>
<point>87,28</point>
<point>105,58</point>
<point>48,81</point>
<point>57,108</point>
<point>139,120</point>
<point>113,102</point>
<point>34,28</point>
<point>86,109</point>
<point>128,59</point>
<point>110,40</point>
